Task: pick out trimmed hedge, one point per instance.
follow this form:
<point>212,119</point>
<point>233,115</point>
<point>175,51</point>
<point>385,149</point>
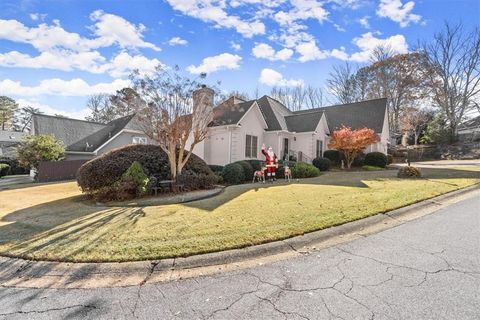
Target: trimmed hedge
<point>409,172</point>
<point>108,168</point>
<point>304,170</point>
<point>372,168</point>
<point>233,173</point>
<point>389,159</point>
<point>247,169</point>
<point>333,155</point>
<point>376,159</point>
<point>256,164</point>
<point>15,167</point>
<point>4,169</point>
<point>216,168</point>
<point>323,164</point>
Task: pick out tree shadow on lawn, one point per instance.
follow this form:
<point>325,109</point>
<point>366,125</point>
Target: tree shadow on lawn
<point>52,223</point>
<point>354,179</point>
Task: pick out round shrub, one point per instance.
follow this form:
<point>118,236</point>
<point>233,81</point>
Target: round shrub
<point>15,167</point>
<point>389,159</point>
<point>372,168</point>
<point>333,155</point>
<point>215,168</point>
<point>409,172</point>
<point>305,170</point>
<point>376,159</point>
<point>256,164</point>
<point>247,169</point>
<point>108,168</point>
<point>323,164</point>
<point>4,169</point>
<point>233,173</point>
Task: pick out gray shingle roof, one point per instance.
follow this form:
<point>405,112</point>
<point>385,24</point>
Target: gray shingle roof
<point>11,136</point>
<point>304,122</point>
<point>229,113</point>
<point>472,123</point>
<point>369,113</point>
<point>274,113</point>
<point>98,138</point>
<point>76,133</point>
<point>66,130</point>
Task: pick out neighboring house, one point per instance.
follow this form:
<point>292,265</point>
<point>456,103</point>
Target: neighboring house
<point>9,141</point>
<point>239,128</point>
<point>85,140</point>
<point>469,130</point>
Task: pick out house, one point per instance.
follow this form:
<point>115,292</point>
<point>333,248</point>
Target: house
<point>469,130</point>
<point>8,143</point>
<point>84,140</point>
<point>239,128</point>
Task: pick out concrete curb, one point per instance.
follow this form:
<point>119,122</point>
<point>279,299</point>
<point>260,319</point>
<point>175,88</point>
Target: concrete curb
<point>25,273</point>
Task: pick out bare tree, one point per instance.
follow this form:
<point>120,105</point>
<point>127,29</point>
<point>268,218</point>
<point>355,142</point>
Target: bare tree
<point>414,121</point>
<point>454,55</point>
<point>342,83</point>
<point>101,110</point>
<point>298,98</point>
<point>176,115</point>
<point>400,78</point>
<point>23,118</point>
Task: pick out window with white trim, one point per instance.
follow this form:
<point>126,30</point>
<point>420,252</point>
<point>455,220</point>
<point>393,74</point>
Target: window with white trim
<point>139,140</point>
<point>319,151</point>
<point>251,145</point>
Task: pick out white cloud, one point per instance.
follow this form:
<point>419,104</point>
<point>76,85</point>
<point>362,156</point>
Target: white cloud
<point>123,64</point>
<point>309,51</point>
<point>90,61</point>
<point>235,46</point>
<point>398,12</point>
<point>367,42</point>
<point>177,41</point>
<point>214,12</point>
<point>364,22</point>
<point>302,10</point>
<point>222,61</point>
<point>75,87</point>
<point>274,78</point>
<point>64,60</point>
<point>111,29</point>
<point>46,109</point>
<point>265,51</point>
<point>38,16</point>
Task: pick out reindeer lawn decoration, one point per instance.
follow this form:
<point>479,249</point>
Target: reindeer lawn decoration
<point>259,175</point>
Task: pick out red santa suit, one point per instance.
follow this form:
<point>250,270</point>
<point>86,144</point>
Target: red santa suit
<point>271,160</point>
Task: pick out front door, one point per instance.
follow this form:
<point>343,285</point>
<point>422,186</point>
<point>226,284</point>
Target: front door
<point>285,148</point>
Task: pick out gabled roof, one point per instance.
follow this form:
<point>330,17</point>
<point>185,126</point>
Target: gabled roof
<point>96,139</point>
<point>368,113</point>
<point>80,135</point>
<point>228,112</point>
<point>274,113</point>
<point>303,122</point>
<point>66,130</point>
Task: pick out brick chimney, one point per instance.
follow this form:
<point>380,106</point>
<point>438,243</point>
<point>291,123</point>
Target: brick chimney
<point>203,100</point>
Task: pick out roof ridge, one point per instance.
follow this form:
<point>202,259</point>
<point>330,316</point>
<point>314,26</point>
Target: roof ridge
<point>66,118</point>
<point>336,105</point>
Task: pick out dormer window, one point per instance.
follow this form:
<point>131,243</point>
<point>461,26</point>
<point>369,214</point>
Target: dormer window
<point>139,140</point>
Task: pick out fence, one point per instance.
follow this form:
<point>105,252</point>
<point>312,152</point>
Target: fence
<point>58,170</point>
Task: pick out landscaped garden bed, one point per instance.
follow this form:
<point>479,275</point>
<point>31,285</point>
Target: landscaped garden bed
<point>54,222</point>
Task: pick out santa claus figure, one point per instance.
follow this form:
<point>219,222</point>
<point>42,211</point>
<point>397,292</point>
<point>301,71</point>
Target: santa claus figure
<point>272,162</point>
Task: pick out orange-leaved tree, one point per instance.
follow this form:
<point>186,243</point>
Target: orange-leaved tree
<point>350,142</point>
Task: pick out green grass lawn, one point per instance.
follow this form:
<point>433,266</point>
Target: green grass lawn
<point>53,222</point>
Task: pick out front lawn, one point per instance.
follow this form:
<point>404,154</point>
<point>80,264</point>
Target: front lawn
<point>53,222</point>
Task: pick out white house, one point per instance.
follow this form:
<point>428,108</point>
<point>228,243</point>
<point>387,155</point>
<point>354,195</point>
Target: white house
<point>239,128</point>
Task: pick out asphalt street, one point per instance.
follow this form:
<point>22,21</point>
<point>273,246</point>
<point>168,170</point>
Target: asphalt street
<point>428,268</point>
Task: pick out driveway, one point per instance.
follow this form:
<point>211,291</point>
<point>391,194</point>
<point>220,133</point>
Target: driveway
<point>9,181</point>
<point>428,268</point>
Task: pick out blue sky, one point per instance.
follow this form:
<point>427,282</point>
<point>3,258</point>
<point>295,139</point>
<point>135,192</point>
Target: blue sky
<point>54,54</point>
